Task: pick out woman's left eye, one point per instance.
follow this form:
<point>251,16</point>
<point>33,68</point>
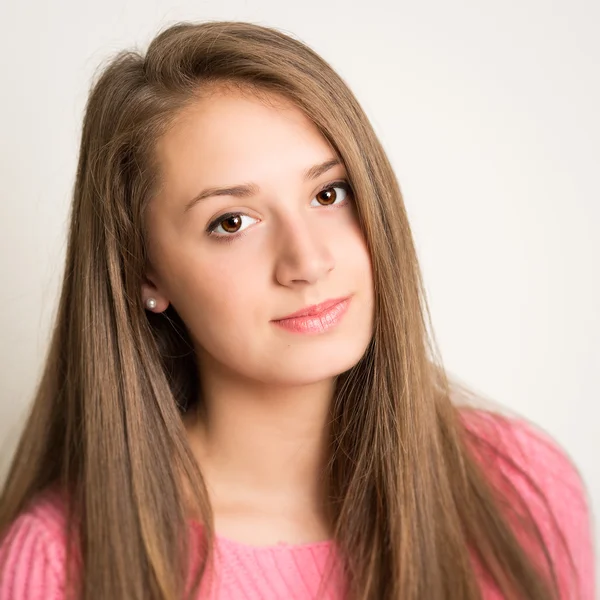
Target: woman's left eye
<point>334,194</point>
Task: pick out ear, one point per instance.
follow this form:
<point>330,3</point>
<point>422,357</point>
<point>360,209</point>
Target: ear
<point>150,289</point>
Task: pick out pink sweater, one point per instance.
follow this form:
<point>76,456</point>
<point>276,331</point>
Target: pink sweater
<point>34,544</point>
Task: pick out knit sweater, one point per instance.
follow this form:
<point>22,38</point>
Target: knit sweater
<point>34,544</point>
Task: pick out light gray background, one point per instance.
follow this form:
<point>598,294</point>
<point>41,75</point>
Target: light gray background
<point>489,113</point>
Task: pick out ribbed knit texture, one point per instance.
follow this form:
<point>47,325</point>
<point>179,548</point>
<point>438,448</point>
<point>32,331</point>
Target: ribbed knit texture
<point>34,545</point>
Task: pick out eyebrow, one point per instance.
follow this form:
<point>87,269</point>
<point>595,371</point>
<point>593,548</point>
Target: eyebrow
<point>247,190</point>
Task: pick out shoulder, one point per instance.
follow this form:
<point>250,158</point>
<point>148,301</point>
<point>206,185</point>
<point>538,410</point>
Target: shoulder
<point>522,449</point>
<point>33,550</point>
<point>521,456</point>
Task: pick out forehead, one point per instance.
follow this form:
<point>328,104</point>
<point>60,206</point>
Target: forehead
<point>227,136</point>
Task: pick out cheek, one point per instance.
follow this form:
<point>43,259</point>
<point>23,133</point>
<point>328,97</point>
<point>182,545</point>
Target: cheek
<point>218,289</point>
<point>217,299</point>
<point>353,250</point>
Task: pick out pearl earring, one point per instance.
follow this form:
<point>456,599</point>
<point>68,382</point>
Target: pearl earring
<point>151,303</point>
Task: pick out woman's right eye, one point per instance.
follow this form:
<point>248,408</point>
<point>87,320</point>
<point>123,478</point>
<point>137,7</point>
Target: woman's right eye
<point>229,224</point>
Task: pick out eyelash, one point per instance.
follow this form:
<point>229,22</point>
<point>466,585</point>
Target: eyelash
<point>228,238</point>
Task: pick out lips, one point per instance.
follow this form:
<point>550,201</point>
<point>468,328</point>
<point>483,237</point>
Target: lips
<point>321,318</point>
<point>315,309</point>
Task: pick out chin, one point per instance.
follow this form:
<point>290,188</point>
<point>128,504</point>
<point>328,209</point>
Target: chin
<point>311,367</point>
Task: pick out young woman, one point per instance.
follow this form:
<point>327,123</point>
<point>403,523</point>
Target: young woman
<point>240,399</point>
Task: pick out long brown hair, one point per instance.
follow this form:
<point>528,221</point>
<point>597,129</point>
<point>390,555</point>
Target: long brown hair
<point>410,503</point>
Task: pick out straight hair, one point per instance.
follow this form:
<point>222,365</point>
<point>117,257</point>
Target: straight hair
<point>411,506</point>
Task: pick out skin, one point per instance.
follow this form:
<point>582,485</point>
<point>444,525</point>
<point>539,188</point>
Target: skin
<point>261,440</point>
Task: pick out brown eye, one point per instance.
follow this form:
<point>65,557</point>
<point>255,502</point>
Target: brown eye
<point>232,224</point>
<point>337,193</point>
<point>327,196</point>
<point>228,225</point>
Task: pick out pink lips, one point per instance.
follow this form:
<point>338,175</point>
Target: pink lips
<point>316,319</point>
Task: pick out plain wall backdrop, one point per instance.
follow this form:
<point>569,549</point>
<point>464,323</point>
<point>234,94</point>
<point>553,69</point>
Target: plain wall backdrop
<point>489,113</point>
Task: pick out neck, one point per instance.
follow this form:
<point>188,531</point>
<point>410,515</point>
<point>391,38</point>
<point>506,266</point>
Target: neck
<point>262,445</point>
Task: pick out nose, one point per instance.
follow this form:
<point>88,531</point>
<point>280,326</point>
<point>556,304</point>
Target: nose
<point>304,256</point>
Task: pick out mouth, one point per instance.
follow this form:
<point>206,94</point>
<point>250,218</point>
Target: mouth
<point>317,318</point>
<point>315,309</point>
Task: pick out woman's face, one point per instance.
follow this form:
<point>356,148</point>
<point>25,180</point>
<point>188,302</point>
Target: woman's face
<point>234,263</point>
